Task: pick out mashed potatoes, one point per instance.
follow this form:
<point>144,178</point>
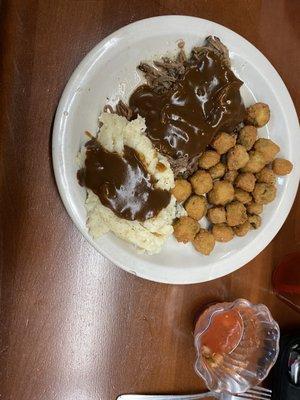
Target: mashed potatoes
<point>150,235</point>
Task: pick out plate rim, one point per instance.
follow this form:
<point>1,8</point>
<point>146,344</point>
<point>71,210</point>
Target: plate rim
<point>178,278</point>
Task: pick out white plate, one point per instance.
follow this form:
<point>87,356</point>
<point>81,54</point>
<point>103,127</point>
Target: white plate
<point>108,73</point>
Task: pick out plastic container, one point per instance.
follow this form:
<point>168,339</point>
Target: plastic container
<point>237,344</point>
<point>286,280</point>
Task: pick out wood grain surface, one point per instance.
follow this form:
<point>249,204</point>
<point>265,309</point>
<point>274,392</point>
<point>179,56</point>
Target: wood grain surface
<point>74,326</point>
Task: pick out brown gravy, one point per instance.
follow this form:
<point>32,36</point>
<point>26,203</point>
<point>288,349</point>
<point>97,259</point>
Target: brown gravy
<point>122,183</point>
<point>183,121</point>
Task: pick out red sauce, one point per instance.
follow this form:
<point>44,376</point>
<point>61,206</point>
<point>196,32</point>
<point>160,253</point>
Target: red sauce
<point>224,332</point>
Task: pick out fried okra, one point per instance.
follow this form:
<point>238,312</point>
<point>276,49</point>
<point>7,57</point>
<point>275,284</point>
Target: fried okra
<point>255,221</point>
<point>222,233</point>
<point>238,176</point>
<point>281,166</point>
<point>242,196</point>
<point>222,142</point>
<point>208,159</point>
<point>245,181</point>
<point>222,193</point>
<point>204,242</point>
<point>256,162</point>
<point>230,176</point>
<point>267,148</point>
<point>247,136</point>
<point>217,171</point>
<point>264,193</point>
<point>185,229</point>
<point>266,175</point>
<point>236,213</point>
<point>254,208</point>
<point>243,229</point>
<point>237,157</point>
<point>196,207</point>
<point>216,215</point>
<point>182,190</point>
<point>201,182</point>
<point>258,114</point>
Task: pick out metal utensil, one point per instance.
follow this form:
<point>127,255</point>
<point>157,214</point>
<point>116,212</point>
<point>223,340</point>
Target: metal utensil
<point>294,364</point>
<point>257,392</point>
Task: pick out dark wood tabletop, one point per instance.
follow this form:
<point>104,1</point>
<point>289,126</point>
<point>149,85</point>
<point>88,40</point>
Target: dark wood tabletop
<point>73,325</point>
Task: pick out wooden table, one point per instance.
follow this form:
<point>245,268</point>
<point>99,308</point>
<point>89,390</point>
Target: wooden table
<point>74,326</point>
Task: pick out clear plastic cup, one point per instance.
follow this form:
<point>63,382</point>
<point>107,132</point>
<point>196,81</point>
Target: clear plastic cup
<point>237,344</point>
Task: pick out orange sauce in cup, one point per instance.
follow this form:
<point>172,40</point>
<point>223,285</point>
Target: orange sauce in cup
<point>224,333</point>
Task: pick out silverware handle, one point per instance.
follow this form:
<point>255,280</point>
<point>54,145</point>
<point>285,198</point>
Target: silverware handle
<point>168,396</point>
